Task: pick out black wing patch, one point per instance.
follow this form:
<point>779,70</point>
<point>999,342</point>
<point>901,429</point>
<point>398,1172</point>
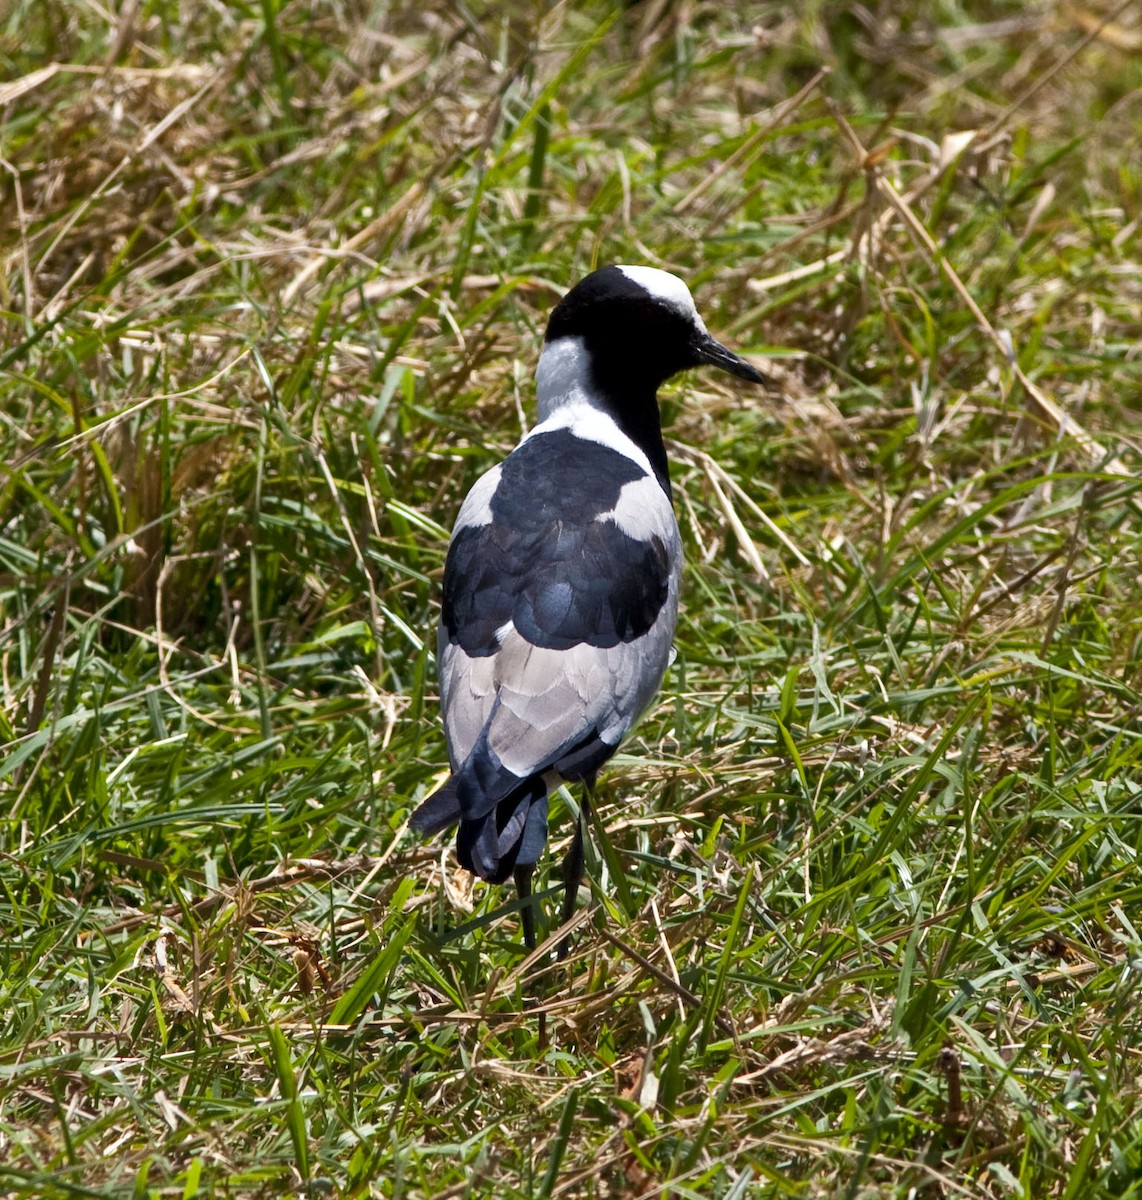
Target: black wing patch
<point>546,563</point>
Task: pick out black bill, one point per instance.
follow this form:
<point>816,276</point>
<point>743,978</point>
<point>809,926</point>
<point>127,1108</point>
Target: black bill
<point>715,354</point>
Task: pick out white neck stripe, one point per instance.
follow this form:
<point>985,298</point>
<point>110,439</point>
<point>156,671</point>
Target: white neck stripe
<point>592,424</point>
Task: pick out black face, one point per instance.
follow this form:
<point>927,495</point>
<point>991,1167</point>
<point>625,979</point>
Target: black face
<point>636,342</point>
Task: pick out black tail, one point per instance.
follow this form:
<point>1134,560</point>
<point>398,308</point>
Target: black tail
<point>512,834</point>
<point>499,835</point>
<point>439,811</point>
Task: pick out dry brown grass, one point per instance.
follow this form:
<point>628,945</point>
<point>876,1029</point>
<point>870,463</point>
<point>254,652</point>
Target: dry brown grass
<point>863,913</point>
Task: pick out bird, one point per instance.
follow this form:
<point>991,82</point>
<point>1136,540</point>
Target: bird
<point>561,581</point>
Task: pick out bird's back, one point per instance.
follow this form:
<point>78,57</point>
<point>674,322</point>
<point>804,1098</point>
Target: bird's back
<point>560,602</point>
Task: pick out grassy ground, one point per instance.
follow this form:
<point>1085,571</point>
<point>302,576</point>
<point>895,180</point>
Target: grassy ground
<point>866,902</point>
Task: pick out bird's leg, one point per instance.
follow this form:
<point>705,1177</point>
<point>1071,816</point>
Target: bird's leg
<point>527,913</point>
<point>573,867</point>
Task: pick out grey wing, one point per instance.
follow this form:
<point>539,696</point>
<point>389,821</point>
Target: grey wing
<point>537,702</point>
<point>467,695</point>
<point>541,689</point>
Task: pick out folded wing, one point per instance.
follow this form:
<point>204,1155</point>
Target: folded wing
<point>560,600</point>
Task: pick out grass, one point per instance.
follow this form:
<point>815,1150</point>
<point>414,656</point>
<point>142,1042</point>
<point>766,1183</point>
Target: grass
<point>865,897</point>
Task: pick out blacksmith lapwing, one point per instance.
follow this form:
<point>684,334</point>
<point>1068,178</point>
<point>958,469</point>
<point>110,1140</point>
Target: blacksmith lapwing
<point>561,582</point>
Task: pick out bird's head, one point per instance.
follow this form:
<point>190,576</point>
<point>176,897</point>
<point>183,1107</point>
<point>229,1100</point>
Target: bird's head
<point>630,328</point>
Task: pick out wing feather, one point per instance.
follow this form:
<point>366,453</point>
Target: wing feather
<point>559,609</point>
